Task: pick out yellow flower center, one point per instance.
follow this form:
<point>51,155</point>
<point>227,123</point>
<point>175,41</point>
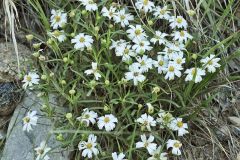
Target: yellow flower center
<point>26,119</point>
<point>90,2</point>
<point>40,151</point>
<point>135,74</point>
<point>142,63</point>
<point>87,116</point>
<point>29,78</point>
<point>110,14</point>
<point>210,62</point>
<point>169,51</point>
<point>126,51</point>
<point>171,69</point>
<point>145,123</point>
<point>89,145</point>
<point>179,20</point>
<point>106,119</point>
<point>179,61</point>
<point>177,145</point>
<point>82,39</point>
<point>161,63</point>
<point>122,17</point>
<point>182,33</point>
<point>145,144</point>
<point>193,71</point>
<point>57,18</point>
<point>180,124</point>
<point>145,2</point>
<point>162,11</point>
<point>56,33</point>
<point>137,32</point>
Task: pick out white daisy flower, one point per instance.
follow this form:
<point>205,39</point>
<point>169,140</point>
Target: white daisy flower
<point>59,35</point>
<point>58,18</point>
<point>159,37</point>
<point>126,52</point>
<point>145,5</point>
<point>90,5</point>
<point>90,147</point>
<point>29,120</point>
<point>136,32</point>
<point>181,36</point>
<point>197,72</point>
<point>108,121</point>
<point>142,45</point>
<point>108,13</point>
<point>179,59</point>
<point>158,154</point>
<point>93,71</point>
<point>178,125</point>
<point>146,121</point>
<point>118,44</point>
<point>135,74</point>
<point>169,53</point>
<point>30,79</point>
<point>121,156</point>
<point>164,118</point>
<point>177,46</point>
<point>145,63</point>
<point>162,12</point>
<point>173,70</point>
<point>178,22</point>
<point>175,145</point>
<point>88,117</point>
<point>42,151</point>
<point>147,143</point>
<point>161,64</point>
<point>123,17</point>
<point>211,63</point>
<point>81,41</point>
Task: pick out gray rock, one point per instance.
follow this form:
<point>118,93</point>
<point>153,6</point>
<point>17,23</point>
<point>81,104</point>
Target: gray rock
<point>19,144</point>
<point>8,60</point>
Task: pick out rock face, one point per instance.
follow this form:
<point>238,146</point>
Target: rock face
<point>19,144</point>
<point>10,95</point>
<point>8,60</point>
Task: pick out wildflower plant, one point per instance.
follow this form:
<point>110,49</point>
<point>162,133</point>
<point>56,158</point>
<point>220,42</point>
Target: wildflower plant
<point>129,74</point>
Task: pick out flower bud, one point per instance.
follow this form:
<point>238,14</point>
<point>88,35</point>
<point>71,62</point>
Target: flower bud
<point>60,137</point>
<point>96,28</point>
<point>107,82</point>
<point>69,115</point>
<point>29,37</point>
<point>65,59</point>
<point>194,56</point>
<point>72,92</point>
<point>72,14</point>
<point>155,90</point>
<point>72,34</point>
<point>36,54</point>
<point>44,106</point>
<point>140,106</point>
<point>84,12</point>
<point>150,108</point>
<point>43,77</point>
<point>36,45</point>
<point>51,74</point>
<point>42,58</point>
<point>191,12</point>
<point>106,108</point>
<point>150,22</point>
<point>63,82</point>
